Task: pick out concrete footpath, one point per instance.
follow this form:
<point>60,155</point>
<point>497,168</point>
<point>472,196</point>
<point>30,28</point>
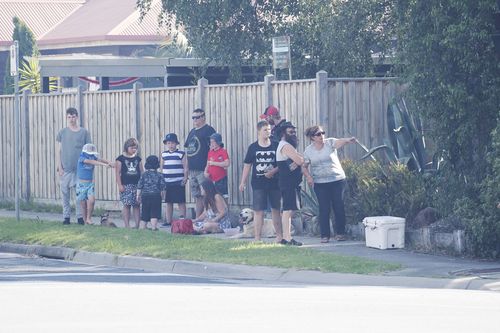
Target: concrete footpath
<point>419,270</point>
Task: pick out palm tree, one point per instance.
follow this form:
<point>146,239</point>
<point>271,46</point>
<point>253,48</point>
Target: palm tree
<point>30,77</point>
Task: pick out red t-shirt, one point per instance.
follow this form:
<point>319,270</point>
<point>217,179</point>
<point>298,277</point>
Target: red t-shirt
<point>216,173</point>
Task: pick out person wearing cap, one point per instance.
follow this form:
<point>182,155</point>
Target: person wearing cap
<point>289,178</point>
<point>273,117</point>
<point>217,164</point>
<point>325,175</point>
<point>151,192</point>
<point>175,171</point>
<point>128,168</point>
<point>85,187</point>
<point>197,145</point>
<point>70,141</point>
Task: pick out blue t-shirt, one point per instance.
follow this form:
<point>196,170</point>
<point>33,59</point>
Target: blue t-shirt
<point>85,171</point>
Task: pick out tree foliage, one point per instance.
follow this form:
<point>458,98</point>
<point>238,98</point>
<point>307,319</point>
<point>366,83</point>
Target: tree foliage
<point>337,36</point>
<point>446,54</point>
<point>27,47</point>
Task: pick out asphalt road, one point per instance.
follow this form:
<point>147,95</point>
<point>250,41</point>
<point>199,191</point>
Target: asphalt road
<point>44,295</point>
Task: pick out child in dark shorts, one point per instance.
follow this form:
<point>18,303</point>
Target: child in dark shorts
<point>128,172</point>
<point>175,172</point>
<point>150,192</point>
<point>217,164</point>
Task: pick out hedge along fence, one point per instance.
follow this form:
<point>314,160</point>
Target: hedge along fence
<point>343,106</point>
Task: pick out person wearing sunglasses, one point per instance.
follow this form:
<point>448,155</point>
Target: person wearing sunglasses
<point>325,174</point>
<point>197,145</point>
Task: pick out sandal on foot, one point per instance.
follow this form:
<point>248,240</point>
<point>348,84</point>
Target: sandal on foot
<point>325,239</point>
<point>340,238</point>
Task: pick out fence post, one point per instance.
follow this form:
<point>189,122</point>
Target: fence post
<point>268,89</point>
<point>79,105</point>
<point>202,84</point>
<point>137,106</point>
<point>322,99</point>
<point>25,125</point>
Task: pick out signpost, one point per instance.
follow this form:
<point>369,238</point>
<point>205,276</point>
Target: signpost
<point>14,71</point>
<point>281,55</point>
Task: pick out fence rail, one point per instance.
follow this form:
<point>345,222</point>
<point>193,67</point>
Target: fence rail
<point>343,106</point>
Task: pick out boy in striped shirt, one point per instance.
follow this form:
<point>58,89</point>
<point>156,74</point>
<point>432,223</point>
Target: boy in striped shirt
<point>175,172</point>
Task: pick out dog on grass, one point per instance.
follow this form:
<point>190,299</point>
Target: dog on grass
<point>105,222</point>
<point>248,225</point>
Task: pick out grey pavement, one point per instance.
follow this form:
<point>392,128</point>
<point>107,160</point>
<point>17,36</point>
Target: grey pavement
<point>418,270</point>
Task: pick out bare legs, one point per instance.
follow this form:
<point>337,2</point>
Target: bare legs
<point>87,209</point>
<point>276,216</point>
<point>258,218</point>
<point>286,221</point>
<point>136,212</point>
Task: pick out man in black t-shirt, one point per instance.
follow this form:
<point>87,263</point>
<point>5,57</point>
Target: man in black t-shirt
<point>197,146</point>
<point>261,159</point>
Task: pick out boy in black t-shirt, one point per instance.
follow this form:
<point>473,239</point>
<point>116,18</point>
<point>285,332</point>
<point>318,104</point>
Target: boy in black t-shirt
<point>261,159</point>
<point>197,146</point>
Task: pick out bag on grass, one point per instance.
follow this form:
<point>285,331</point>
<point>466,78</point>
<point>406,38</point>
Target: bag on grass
<point>182,226</point>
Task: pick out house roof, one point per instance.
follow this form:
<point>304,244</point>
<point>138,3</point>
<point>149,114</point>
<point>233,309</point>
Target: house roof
<point>74,23</point>
<point>39,15</point>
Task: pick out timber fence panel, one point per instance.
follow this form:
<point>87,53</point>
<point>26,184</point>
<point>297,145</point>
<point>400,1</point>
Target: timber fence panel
<point>233,111</point>
<point>354,106</point>
<point>358,107</point>
<point>165,111</point>
<point>7,138</point>
<point>297,103</point>
<point>110,119</point>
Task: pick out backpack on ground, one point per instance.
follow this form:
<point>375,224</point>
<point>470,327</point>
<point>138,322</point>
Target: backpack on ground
<point>182,226</point>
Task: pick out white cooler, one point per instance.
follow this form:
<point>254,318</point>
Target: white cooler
<point>384,232</point>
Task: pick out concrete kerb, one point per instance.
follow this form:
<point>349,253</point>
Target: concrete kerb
<point>230,271</point>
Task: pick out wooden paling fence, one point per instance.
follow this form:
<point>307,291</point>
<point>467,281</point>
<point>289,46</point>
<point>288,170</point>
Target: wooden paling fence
<point>343,106</point>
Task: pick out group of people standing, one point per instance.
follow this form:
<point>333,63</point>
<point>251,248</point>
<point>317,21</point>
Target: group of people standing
<point>275,165</point>
<point>277,168</point>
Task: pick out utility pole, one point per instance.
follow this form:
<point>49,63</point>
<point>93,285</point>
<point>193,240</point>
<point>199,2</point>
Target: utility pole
<point>14,71</point>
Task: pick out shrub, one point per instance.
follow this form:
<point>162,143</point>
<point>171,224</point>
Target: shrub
<point>373,189</point>
<point>481,211</point>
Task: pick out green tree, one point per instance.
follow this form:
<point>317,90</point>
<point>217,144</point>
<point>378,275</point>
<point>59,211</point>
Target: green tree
<point>27,47</point>
<point>232,32</point>
<point>337,36</point>
<point>446,54</point>
<point>340,37</point>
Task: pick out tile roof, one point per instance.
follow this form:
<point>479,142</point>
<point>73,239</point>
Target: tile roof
<point>39,15</point>
<point>69,23</point>
<point>99,20</point>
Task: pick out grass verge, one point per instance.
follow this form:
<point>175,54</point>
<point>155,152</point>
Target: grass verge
<point>32,206</point>
<point>168,246</point>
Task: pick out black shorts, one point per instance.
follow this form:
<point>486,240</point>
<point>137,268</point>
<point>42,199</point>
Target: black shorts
<point>261,198</point>
<point>291,198</point>
<point>176,193</point>
<point>221,187</point>
<point>150,207</point>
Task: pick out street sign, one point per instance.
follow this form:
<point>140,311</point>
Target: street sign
<point>281,52</point>
<point>14,59</point>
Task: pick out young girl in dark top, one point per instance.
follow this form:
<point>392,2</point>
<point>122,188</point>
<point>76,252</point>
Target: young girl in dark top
<point>128,172</point>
